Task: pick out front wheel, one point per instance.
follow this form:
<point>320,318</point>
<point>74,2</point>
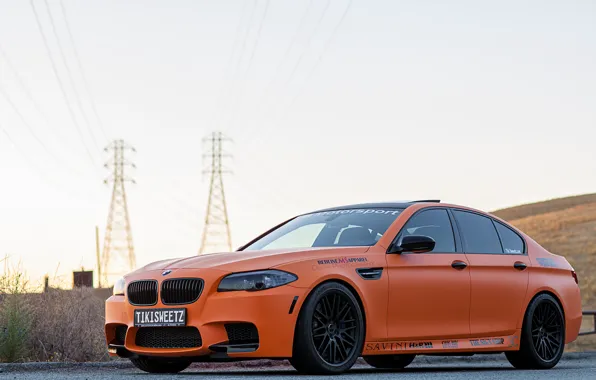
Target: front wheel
<point>329,333</point>
<point>389,361</point>
<point>542,337</point>
<point>155,365</point>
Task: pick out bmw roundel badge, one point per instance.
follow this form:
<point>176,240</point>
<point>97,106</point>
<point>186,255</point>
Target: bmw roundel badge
<point>166,272</point>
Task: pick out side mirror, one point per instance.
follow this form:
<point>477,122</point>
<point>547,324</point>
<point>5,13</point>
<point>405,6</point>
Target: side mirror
<point>413,243</point>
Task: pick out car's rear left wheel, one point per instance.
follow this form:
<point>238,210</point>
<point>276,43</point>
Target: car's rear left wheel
<point>330,331</point>
<point>543,335</point>
<point>159,365</point>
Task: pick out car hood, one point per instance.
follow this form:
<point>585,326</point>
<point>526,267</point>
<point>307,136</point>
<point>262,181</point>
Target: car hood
<point>250,260</point>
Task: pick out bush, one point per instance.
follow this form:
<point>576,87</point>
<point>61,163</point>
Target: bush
<point>15,319</point>
<point>68,326</point>
<point>56,325</point>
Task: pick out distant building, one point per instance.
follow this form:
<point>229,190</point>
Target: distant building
<point>82,279</point>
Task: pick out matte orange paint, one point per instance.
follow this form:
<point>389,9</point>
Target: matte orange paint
<point>419,305</point>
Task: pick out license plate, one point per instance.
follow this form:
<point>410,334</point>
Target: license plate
<point>160,317</point>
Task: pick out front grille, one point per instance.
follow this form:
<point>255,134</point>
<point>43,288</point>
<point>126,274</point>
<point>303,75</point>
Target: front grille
<point>179,291</point>
<point>120,335</point>
<point>142,293</point>
<point>241,333</point>
<point>168,337</point>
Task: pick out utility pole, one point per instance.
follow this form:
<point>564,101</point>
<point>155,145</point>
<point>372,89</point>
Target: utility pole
<point>118,251</point>
<point>216,231</point>
<point>98,256</point>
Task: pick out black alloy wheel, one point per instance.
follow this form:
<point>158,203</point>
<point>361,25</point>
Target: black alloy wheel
<point>543,335</point>
<point>334,328</point>
<point>329,335</point>
<point>547,331</point>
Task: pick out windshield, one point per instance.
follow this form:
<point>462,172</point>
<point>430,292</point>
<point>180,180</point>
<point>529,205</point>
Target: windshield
<point>349,227</point>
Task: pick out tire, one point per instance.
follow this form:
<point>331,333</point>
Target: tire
<point>543,335</point>
<point>155,365</point>
<point>329,334</point>
<point>389,361</point>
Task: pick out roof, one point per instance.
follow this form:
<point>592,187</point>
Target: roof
<point>403,204</point>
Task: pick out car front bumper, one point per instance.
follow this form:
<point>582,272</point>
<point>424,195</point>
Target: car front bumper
<point>273,311</point>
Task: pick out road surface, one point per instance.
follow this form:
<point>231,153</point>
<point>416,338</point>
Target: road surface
<point>582,366</point>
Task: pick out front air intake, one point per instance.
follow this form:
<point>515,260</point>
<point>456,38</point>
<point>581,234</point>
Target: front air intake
<point>168,337</point>
<point>120,333</point>
<point>142,293</point>
<point>242,333</point>
<point>180,291</point>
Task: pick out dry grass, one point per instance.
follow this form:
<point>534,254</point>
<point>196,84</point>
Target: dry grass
<point>567,227</point>
<point>532,209</point>
<point>58,325</point>
<point>67,326</point>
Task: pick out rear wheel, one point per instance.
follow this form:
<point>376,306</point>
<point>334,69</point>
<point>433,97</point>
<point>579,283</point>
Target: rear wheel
<point>158,365</point>
<point>330,331</point>
<point>542,337</point>
<point>389,361</point>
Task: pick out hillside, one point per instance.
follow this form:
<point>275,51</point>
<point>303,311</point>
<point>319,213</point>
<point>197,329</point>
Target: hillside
<point>567,227</point>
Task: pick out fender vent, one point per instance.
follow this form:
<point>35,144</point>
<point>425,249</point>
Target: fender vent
<point>370,273</point>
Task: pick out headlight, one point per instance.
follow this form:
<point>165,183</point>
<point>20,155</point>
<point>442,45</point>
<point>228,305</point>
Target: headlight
<point>119,286</point>
<point>258,280</point>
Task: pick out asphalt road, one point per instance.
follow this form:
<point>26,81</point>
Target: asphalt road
<point>582,367</point>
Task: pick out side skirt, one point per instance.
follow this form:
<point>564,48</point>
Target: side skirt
<point>446,346</point>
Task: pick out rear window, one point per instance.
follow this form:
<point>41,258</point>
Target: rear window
<point>349,227</point>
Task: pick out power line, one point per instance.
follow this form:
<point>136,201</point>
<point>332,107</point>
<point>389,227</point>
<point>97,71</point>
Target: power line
<point>85,82</point>
<point>21,152</point>
<point>302,54</point>
<point>320,57</point>
<point>28,126</point>
<point>58,135</point>
<point>25,156</point>
<point>287,52</point>
<point>228,75</point>
<point>23,86</point>
<point>239,61</point>
<point>249,65</point>
<point>60,84</point>
<point>70,76</point>
<point>317,25</point>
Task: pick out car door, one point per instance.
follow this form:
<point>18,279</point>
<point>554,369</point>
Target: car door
<point>498,272</point>
<point>429,293</point>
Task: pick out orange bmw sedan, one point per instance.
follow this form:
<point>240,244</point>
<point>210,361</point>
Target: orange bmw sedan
<point>385,281</point>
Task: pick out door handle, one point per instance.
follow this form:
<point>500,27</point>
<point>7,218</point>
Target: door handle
<point>458,265</point>
<point>519,265</point>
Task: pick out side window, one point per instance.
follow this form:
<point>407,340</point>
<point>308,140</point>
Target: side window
<point>512,242</point>
<point>433,223</point>
<point>479,233</point>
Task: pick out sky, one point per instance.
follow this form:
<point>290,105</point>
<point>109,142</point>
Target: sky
<point>484,104</point>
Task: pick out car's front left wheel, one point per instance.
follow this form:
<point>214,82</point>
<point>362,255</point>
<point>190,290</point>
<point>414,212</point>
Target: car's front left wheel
<point>158,365</point>
<point>330,331</point>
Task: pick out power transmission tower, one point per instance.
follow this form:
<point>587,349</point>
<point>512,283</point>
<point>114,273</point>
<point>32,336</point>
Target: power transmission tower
<point>216,231</point>
<point>118,251</point>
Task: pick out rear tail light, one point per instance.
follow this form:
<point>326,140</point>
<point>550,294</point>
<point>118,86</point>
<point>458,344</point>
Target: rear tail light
<point>575,277</point>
